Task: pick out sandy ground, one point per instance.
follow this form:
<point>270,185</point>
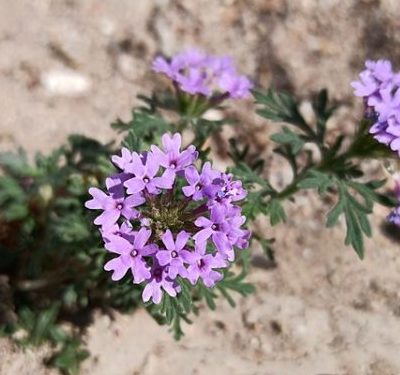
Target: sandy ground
<point>75,66</point>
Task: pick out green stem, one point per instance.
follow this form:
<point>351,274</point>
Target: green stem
<point>192,105</point>
<point>292,188</point>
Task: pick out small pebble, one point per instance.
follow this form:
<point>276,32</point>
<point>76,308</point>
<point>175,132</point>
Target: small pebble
<point>65,83</point>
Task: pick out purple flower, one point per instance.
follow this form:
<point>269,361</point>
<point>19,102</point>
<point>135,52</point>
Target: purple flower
<point>221,65</point>
<point>394,217</point>
<point>366,86</point>
<point>202,265</point>
<point>172,256</point>
<point>237,236</point>
<point>160,65</point>
<point>113,205</point>
<point>228,190</point>
<point>381,69</point>
<point>145,172</point>
<point>195,72</point>
<point>236,86</point>
<point>195,82</point>
<point>172,157</point>
<point>379,86</point>
<point>122,161</point>
<point>163,230</point>
<point>386,103</point>
<point>131,256</point>
<point>217,228</point>
<point>116,230</point>
<point>200,185</point>
<point>160,280</point>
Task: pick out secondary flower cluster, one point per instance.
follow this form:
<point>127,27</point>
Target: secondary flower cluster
<point>379,85</point>
<point>164,219</point>
<point>195,72</point>
<point>394,216</point>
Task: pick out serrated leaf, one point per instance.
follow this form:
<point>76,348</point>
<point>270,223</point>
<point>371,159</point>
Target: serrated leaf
<point>70,356</point>
<point>266,245</point>
<point>281,107</point>
<point>71,228</point>
<point>17,164</point>
<point>354,235</point>
<point>316,180</point>
<point>276,212</point>
<point>209,296</point>
<point>287,137</point>
<point>146,127</point>
<point>132,141</point>
<point>322,112</point>
<point>333,215</point>
<point>254,204</point>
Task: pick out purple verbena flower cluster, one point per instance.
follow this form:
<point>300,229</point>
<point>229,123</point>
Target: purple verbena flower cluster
<point>164,219</point>
<point>379,86</point>
<point>195,72</point>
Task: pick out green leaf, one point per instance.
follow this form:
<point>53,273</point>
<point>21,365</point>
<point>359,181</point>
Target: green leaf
<point>235,283</point>
<point>281,107</point>
<point>17,164</point>
<point>132,141</point>
<point>43,324</point>
<point>249,177</point>
<point>266,245</point>
<point>323,112</point>
<point>316,180</point>
<point>208,295</point>
<point>38,324</point>
<point>69,358</point>
<point>354,234</point>
<point>287,137</point>
<point>254,204</point>
<point>334,214</point>
<point>355,213</point>
<point>71,228</point>
<point>185,297</point>
<point>145,126</point>
<point>176,328</point>
<point>204,128</point>
<point>276,212</point>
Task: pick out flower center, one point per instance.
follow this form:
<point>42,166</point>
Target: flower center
<point>164,216</point>
<point>120,206</point>
<point>198,187</point>
<point>174,254</point>
<point>214,227</point>
<point>157,274</point>
<point>200,263</point>
<point>146,180</point>
<point>134,253</point>
<point>172,164</point>
<point>221,194</point>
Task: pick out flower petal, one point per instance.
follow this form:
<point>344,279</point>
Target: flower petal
<point>118,267</point>
<point>181,240</point>
<point>203,235</point>
<point>107,218</point>
<point>99,201</point>
<point>168,240</point>
<point>141,238</point>
<point>134,185</point>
